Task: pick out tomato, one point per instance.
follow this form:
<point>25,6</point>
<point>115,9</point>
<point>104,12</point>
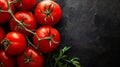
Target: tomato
<point>50,44</point>
<point>2,34</point>
<point>48,12</point>
<point>27,19</point>
<point>25,4</point>
<point>30,58</point>
<point>14,43</point>
<point>4,16</point>
<point>5,60</point>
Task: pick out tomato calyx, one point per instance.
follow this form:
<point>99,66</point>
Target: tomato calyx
<point>50,38</point>
<point>6,43</point>
<point>27,59</point>
<point>48,11</point>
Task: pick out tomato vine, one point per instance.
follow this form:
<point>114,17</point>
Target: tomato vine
<point>53,59</point>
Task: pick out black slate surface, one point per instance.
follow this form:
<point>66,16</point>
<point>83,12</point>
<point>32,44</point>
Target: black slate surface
<point>92,27</point>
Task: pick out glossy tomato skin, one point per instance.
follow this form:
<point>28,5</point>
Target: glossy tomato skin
<point>2,34</point>
<point>43,32</point>
<point>37,60</point>
<point>26,4</point>
<point>27,18</point>
<point>4,16</point>
<point>6,60</point>
<point>43,14</point>
<point>16,43</point>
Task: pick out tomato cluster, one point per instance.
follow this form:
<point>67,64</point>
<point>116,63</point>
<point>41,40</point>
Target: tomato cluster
<point>31,33</point>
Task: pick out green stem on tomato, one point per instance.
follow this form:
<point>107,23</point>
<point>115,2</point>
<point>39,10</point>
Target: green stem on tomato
<point>16,20</point>
<point>29,43</point>
<point>21,24</point>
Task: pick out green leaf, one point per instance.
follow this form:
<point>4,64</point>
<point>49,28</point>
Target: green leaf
<point>75,62</point>
<point>74,58</point>
<point>65,49</point>
<point>64,56</point>
<point>60,53</point>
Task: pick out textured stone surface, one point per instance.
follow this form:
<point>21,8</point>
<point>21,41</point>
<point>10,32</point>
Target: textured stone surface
<point>92,27</point>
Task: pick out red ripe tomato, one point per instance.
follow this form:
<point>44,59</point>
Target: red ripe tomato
<point>27,19</point>
<point>48,12</point>
<point>25,4</point>
<point>52,39</point>
<point>5,60</point>
<point>30,58</point>
<point>14,43</point>
<point>2,34</point>
<point>4,16</point>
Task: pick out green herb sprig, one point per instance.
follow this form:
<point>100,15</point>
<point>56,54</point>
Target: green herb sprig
<point>60,59</point>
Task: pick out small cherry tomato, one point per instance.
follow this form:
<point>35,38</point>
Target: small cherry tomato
<point>5,60</point>
<point>30,58</point>
<point>50,39</point>
<point>48,12</point>
<point>4,16</point>
<point>27,19</point>
<point>14,43</point>
<point>25,4</point>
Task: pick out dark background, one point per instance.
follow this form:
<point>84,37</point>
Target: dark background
<point>92,27</point>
